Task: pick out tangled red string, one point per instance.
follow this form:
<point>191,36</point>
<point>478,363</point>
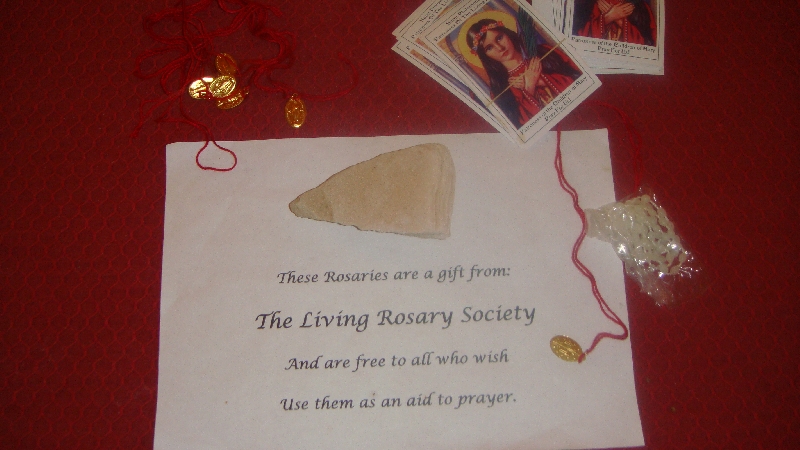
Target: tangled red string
<point>193,50</point>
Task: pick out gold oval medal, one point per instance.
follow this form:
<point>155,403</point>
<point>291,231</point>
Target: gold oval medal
<point>295,111</point>
<point>222,86</point>
<point>232,101</point>
<point>566,348</point>
<point>226,65</point>
<point>199,88</point>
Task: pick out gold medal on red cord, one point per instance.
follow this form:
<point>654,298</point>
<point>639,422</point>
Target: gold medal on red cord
<point>226,65</point>
<point>566,348</point>
<point>295,111</point>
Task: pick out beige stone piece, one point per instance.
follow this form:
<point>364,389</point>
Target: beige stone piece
<point>408,191</point>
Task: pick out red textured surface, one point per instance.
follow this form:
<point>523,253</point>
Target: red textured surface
<point>81,230</point>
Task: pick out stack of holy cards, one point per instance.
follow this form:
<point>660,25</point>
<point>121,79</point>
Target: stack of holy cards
<point>504,58</point>
<point>511,62</point>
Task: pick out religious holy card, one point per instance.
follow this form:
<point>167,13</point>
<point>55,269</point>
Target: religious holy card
<point>618,36</point>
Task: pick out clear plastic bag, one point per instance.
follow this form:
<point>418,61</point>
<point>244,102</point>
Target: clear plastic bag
<point>645,240</point>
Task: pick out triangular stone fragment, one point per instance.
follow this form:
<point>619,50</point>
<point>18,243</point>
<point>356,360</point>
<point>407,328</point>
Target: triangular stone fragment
<point>408,191</point>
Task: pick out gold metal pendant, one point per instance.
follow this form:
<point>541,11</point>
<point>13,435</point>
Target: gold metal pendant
<point>295,111</point>
<point>566,348</point>
<point>222,86</point>
<point>226,65</point>
<point>232,101</point>
<point>199,88</point>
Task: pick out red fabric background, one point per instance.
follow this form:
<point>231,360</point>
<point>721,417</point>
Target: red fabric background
<point>81,230</point>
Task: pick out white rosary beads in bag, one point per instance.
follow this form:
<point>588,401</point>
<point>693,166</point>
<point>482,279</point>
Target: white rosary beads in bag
<point>645,240</point>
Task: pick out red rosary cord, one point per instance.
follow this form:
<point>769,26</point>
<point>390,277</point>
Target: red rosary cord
<point>209,138</point>
<point>635,139</point>
<point>192,51</point>
<point>607,311</point>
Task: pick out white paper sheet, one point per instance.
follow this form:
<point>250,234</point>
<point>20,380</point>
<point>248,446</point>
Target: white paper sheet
<point>226,382</point>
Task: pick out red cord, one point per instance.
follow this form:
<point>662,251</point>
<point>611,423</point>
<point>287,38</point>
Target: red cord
<point>194,49</point>
<point>607,311</point>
